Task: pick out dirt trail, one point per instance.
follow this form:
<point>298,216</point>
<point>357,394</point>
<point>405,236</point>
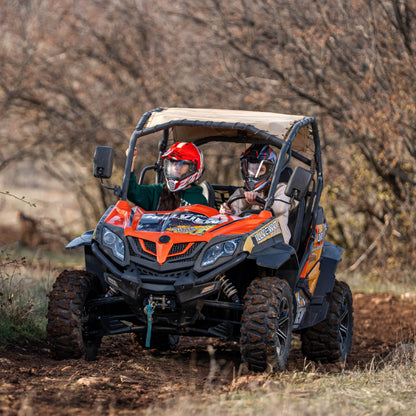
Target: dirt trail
<point>127,379</point>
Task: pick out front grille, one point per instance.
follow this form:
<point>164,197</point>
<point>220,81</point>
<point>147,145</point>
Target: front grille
<point>150,245</point>
<point>148,275</point>
<point>178,248</point>
<point>178,252</point>
<point>136,249</point>
<point>192,250</point>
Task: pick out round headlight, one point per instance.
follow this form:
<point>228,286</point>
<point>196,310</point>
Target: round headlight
<point>229,247</point>
<point>109,238</point>
<point>113,242</point>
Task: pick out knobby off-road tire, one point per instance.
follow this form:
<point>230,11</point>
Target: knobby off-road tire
<point>330,340</point>
<point>266,324</point>
<point>67,317</point>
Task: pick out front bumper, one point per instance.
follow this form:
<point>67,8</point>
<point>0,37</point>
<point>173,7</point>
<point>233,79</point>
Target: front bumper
<point>179,297</point>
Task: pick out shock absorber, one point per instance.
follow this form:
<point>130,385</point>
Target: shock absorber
<point>228,288</point>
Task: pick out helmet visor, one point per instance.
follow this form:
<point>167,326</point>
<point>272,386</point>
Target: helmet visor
<point>256,175</point>
<point>178,169</point>
<point>256,170</point>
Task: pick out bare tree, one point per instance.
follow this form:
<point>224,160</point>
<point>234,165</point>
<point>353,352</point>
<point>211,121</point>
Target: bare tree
<point>76,74</point>
<point>352,65</point>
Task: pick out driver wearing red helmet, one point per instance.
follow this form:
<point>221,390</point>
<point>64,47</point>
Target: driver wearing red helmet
<point>183,166</point>
<point>257,164</point>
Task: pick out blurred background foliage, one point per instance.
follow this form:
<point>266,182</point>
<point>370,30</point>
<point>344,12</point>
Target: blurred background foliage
<point>78,73</point>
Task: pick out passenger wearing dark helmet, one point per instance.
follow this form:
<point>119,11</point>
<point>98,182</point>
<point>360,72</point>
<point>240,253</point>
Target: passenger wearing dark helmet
<point>257,165</point>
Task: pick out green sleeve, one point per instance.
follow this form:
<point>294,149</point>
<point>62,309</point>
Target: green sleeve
<point>145,196</point>
<point>193,195</point>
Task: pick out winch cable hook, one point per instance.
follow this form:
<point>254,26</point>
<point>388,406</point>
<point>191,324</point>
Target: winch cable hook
<point>149,312</point>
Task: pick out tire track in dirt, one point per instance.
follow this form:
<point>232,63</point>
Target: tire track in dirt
<point>127,378</point>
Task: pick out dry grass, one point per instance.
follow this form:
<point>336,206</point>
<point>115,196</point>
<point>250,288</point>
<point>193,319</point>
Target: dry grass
<point>26,276</point>
<point>384,388</point>
<point>399,285</point>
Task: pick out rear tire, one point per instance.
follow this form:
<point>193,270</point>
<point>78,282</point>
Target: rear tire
<point>68,320</point>
<point>330,340</point>
<point>266,324</point>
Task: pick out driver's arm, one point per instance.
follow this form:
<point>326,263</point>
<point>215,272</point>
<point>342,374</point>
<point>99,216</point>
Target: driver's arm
<point>236,207</point>
<point>134,157</point>
<point>281,204</point>
<point>225,209</point>
<point>251,196</point>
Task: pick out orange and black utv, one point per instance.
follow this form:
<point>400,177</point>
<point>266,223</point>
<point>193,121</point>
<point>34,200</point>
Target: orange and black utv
<point>196,272</point>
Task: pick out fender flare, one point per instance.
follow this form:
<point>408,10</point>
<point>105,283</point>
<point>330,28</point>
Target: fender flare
<point>332,252</point>
<point>83,240</point>
<point>276,256</point>
<point>331,256</point>
<point>273,256</point>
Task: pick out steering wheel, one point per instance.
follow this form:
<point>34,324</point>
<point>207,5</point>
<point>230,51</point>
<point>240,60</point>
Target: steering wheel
<point>232,199</point>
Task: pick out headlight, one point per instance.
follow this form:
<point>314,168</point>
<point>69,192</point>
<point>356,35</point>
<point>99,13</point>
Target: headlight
<point>226,248</point>
<point>114,243</point>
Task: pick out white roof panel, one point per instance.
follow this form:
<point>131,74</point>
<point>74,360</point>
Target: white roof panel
<point>272,123</point>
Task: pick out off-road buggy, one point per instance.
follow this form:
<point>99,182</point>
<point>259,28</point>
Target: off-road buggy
<point>194,272</point>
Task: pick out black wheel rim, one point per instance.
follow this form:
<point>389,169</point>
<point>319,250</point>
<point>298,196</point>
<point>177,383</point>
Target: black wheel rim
<point>344,324</point>
<point>282,326</point>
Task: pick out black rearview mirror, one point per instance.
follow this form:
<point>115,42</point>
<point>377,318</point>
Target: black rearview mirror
<point>103,161</point>
<point>298,183</point>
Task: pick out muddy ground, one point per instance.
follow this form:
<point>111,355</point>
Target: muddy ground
<point>127,380</point>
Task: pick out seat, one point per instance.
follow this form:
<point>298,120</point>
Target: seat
<point>209,193</point>
<point>285,175</point>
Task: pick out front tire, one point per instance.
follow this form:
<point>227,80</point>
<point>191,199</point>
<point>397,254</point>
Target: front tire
<point>330,340</point>
<point>68,319</point>
<point>266,324</point>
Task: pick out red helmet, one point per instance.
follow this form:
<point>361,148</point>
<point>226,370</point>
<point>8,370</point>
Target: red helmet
<point>257,164</point>
<point>183,165</point>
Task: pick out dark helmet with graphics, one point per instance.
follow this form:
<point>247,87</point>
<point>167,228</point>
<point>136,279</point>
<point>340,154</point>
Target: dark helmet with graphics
<point>257,164</point>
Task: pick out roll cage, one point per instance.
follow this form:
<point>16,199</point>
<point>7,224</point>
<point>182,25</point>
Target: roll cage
<point>237,132</point>
<point>202,128</point>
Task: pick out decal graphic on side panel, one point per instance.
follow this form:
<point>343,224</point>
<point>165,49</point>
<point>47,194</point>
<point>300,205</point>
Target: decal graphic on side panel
<point>266,232</point>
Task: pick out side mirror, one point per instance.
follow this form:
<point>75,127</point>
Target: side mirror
<point>298,183</point>
<point>103,161</point>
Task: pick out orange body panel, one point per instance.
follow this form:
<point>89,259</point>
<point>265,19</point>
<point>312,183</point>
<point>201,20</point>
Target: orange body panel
<point>216,224</point>
<point>312,266</point>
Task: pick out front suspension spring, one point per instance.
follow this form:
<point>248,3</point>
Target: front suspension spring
<point>228,288</point>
